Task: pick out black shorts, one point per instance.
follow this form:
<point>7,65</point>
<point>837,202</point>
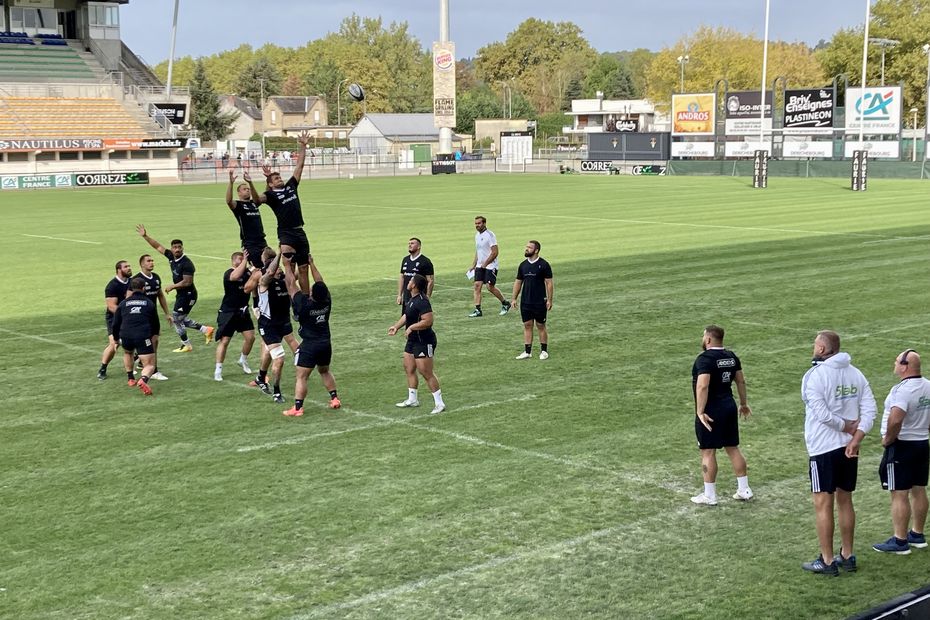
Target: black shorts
<point>725,428</point>
<point>312,354</point>
<point>274,333</point>
<point>255,253</point>
<point>833,470</point>
<point>229,323</point>
<point>139,346</point>
<point>183,304</point>
<point>420,349</point>
<point>485,275</point>
<point>297,239</point>
<point>534,313</point>
<point>109,320</point>
<point>905,464</point>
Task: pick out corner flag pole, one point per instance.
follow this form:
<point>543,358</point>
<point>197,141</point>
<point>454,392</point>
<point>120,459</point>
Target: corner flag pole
<point>174,35</point>
<point>765,66</point>
<point>865,60</point>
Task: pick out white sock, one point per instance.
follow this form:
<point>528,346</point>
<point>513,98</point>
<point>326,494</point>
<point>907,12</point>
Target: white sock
<point>243,359</point>
<point>186,343</point>
<point>412,394</point>
<point>742,483</point>
<point>203,329</point>
<point>219,366</point>
<point>710,490</point>
<point>437,398</point>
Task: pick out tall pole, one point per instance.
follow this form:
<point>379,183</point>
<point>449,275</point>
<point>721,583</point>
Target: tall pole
<point>765,67</point>
<point>914,136</point>
<point>339,102</point>
<point>174,36</point>
<point>865,61</point>
<point>883,65</point>
<point>682,60</point>
<point>445,133</point>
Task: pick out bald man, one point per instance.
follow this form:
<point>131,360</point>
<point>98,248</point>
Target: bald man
<point>839,411</point>
<point>906,461</point>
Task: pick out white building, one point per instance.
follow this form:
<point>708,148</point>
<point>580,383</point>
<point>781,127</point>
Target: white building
<point>602,115</point>
<point>385,134</point>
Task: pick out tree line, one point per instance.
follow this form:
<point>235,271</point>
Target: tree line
<point>541,66</point>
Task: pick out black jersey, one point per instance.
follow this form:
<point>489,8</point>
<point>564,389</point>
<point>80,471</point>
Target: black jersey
<point>313,317</point>
<point>181,267</point>
<point>136,318</point>
<point>234,296</point>
<point>152,285</point>
<point>251,230</point>
<point>414,311</point>
<point>410,267</point>
<point>721,365</point>
<point>286,204</point>
<point>115,288</point>
<point>274,303</point>
<point>534,275</point>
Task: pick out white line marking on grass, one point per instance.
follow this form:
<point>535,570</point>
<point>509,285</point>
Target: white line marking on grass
<point>61,239</point>
<point>206,256</point>
<point>73,347</point>
<point>892,240</point>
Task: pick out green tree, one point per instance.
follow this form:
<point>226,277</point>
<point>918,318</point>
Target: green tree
<point>259,78</point>
<point>326,78</point>
<point>906,21</point>
<point>478,102</point>
<point>206,116</point>
<point>611,77</point>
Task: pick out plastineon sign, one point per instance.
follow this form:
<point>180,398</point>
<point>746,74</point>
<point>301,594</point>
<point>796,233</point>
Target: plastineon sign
<point>809,111</point>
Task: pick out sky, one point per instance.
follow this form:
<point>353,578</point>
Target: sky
<point>206,27</point>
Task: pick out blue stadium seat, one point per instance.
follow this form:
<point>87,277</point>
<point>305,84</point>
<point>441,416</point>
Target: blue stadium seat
<point>54,42</point>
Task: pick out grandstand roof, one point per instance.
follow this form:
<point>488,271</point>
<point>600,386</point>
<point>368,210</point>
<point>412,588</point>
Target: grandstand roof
<point>294,105</point>
<point>243,105</point>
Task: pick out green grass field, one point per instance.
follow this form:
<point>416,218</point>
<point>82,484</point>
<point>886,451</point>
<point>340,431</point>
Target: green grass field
<point>554,489</point>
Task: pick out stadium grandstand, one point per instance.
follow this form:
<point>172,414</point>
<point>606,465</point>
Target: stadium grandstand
<point>75,98</point>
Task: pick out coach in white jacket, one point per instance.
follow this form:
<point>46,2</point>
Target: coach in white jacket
<point>839,410</point>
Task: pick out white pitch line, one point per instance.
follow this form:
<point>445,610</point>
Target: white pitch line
<point>61,239</point>
<point>920,238</point>
<point>206,256</point>
<point>49,341</point>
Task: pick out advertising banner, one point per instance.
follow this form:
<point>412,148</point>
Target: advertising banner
<point>154,143</point>
<point>809,111</point>
<point>692,149</point>
<point>623,125</point>
<point>806,149</point>
<point>876,110</point>
<point>175,113</point>
<point>876,150</point>
<point>747,149</point>
<point>97,179</point>
<point>743,111</point>
<point>37,181</point>
<point>51,144</point>
<point>588,165</point>
<point>694,114</point>
<point>444,84</point>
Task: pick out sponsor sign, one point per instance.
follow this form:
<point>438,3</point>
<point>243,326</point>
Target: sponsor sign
<point>156,143</point>
<point>809,111</point>
<point>652,170</point>
<point>516,147</point>
<point>37,181</point>
<point>52,144</point>
<point>175,113</point>
<point>860,172</point>
<point>746,149</point>
<point>444,84</point>
<point>876,110</point>
<point>596,166</point>
<point>694,114</point>
<point>692,149</point>
<point>806,150</point>
<point>875,150</point>
<point>760,180</point>
<point>97,179</point>
<point>623,125</point>
<point>443,166</point>
<point>743,110</point>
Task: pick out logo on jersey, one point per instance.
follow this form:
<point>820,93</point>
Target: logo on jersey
<point>726,363</point>
<point>846,391</point>
<point>923,403</point>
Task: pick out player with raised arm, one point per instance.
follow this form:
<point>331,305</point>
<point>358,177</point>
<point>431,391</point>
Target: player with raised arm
<point>245,210</point>
<point>233,315</point>
<point>283,199</point>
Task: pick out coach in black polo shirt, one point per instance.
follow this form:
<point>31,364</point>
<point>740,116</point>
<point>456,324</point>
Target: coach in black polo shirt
<point>534,279</point>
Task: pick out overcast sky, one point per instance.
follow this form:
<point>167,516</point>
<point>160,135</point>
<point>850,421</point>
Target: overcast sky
<point>209,26</point>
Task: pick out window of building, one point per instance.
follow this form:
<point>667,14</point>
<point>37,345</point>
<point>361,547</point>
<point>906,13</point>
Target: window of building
<point>92,155</point>
<point>46,156</point>
<point>274,117</point>
<point>11,157</point>
<point>119,155</point>
<point>162,154</point>
<point>99,15</point>
<point>69,156</point>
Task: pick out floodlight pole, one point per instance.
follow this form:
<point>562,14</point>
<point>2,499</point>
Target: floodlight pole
<point>682,60</point>
<point>765,66</point>
<point>865,62</point>
<point>914,136</point>
<point>445,133</point>
<point>174,36</point>
<point>339,102</point>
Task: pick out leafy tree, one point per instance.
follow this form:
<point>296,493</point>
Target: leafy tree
<point>325,78</point>
<point>206,116</point>
<point>479,102</point>
<point>609,76</point>
<point>291,86</point>
<point>259,78</point>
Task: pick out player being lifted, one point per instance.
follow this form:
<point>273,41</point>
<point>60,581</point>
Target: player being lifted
<point>282,197</point>
<point>251,229</point>
<point>182,275</point>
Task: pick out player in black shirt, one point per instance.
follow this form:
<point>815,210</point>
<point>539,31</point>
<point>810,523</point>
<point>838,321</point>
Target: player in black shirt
<point>412,264</point>
<point>283,199</point>
<point>134,324</point>
<point>251,229</point>
<point>421,344</point>
<point>153,290</point>
<point>114,292</point>
<point>234,314</point>
<point>316,349</point>
<point>534,279</point>
<point>182,275</point>
<point>274,322</point>
<point>716,421</point>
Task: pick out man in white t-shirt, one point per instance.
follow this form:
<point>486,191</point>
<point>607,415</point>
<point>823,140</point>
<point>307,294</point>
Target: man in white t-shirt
<point>906,461</point>
<point>485,266</point>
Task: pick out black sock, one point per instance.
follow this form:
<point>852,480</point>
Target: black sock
<point>130,375</point>
<point>298,403</point>
<point>332,393</point>
<point>900,541</point>
<point>277,388</point>
<point>143,379</point>
<point>528,347</point>
<point>478,307</point>
<point>103,368</point>
<point>155,372</point>
<point>262,375</point>
<point>543,346</point>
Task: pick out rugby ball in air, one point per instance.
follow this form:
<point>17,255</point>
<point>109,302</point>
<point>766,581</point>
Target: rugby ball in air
<point>356,92</point>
